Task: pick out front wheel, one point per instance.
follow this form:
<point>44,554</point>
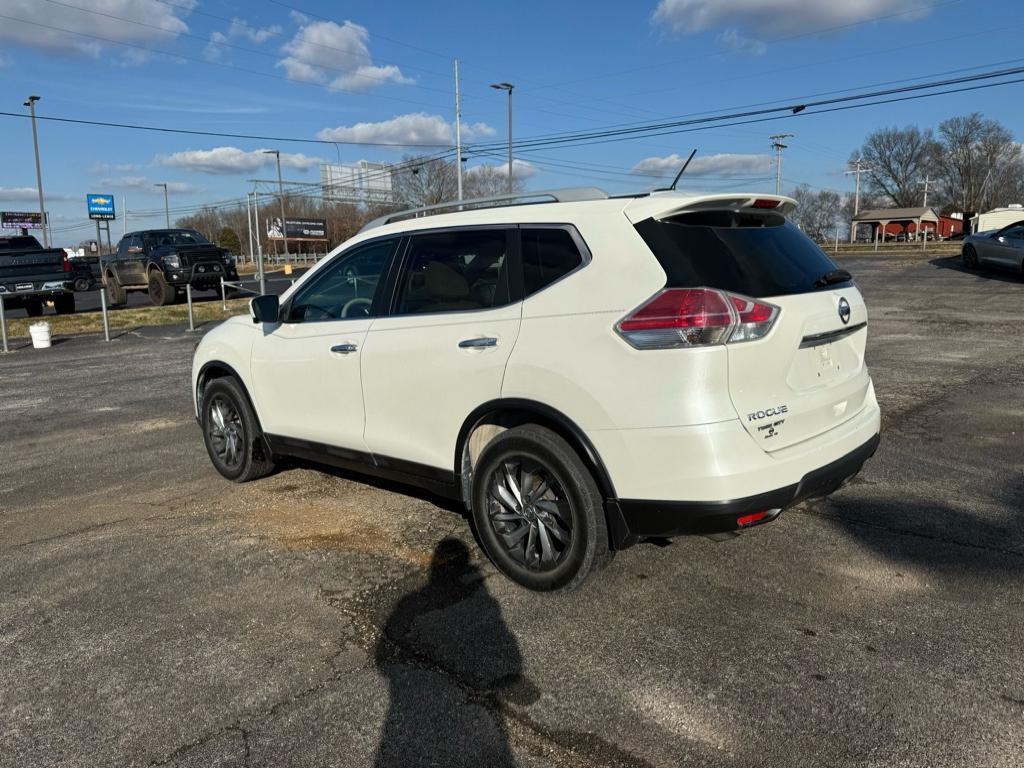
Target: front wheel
<point>232,433</point>
<point>970,256</point>
<point>116,293</point>
<point>160,293</point>
<point>537,510</point>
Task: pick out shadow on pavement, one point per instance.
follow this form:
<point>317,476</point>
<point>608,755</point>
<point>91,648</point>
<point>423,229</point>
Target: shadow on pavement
<point>956,264</point>
<point>449,629</point>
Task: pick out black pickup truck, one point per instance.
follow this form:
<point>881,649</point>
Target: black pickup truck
<point>163,262</point>
<point>31,275</point>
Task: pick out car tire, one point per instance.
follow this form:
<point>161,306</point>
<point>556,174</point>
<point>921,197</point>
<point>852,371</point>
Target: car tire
<point>232,432</point>
<point>116,293</point>
<point>64,304</point>
<point>160,293</point>
<point>970,256</point>
<point>34,307</point>
<point>546,542</point>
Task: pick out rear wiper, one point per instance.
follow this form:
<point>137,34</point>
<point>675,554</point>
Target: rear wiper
<point>832,277</point>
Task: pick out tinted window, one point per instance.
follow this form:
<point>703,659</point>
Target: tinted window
<point>19,243</point>
<point>548,254</point>
<point>455,271</point>
<point>156,239</point>
<point>346,287</point>
<point>1016,232</point>
<point>748,253</point>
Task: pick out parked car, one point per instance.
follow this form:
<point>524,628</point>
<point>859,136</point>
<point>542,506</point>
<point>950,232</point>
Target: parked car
<point>31,275</point>
<point>164,261</point>
<point>1002,248</point>
<point>581,373</point>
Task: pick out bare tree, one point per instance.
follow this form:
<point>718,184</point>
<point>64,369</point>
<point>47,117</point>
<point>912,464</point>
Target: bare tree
<point>817,213</point>
<point>489,181</point>
<point>425,182</point>
<point>979,164</point>
<point>899,159</point>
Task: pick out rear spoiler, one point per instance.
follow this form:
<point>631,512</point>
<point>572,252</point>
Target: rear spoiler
<point>660,206</point>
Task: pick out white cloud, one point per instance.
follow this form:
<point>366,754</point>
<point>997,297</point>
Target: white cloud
<point>776,18</point>
<point>521,169</point>
<point>411,129</point>
<point>168,17</point>
<point>734,41</point>
<point>107,168</point>
<point>724,164</point>
<point>242,28</point>
<point>229,160</point>
<point>214,49</point>
<point>337,56</point>
<point>144,184</point>
<point>29,195</point>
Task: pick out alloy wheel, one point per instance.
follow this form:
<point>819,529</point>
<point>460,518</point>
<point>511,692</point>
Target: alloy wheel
<point>530,513</point>
<point>226,432</point>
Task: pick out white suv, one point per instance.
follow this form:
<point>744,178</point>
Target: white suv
<point>582,373</point>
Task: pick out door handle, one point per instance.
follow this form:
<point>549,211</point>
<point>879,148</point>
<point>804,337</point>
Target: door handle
<point>478,343</point>
<point>344,349</point>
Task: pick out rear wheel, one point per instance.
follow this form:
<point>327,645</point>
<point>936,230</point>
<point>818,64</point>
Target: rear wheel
<point>160,293</point>
<point>537,510</point>
<point>115,291</point>
<point>232,433</point>
<point>64,304</point>
<point>970,257</point>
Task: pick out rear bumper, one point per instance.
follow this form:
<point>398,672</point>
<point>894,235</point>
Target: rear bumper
<point>634,519</point>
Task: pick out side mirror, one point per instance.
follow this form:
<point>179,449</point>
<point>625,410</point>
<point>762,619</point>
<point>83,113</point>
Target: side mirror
<point>265,309</point>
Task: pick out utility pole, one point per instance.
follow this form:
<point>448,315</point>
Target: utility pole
<point>925,183</point>
<point>856,171</point>
<point>259,242</point>
<point>167,208</point>
<point>458,131</point>
<point>778,146</point>
<point>280,192</point>
<point>30,102</point>
<point>508,87</point>
<point>248,218</point>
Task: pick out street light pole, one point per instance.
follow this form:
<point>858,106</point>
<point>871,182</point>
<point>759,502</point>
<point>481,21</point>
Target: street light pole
<point>280,192</point>
<point>30,102</point>
<point>778,146</point>
<point>508,87</point>
<point>167,208</point>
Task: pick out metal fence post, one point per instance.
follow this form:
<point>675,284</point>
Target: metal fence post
<point>3,323</point>
<point>223,296</point>
<point>103,308</point>
<point>188,295</point>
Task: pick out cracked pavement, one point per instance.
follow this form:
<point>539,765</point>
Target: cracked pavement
<point>153,614</point>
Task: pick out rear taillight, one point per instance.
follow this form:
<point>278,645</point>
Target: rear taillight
<point>65,263</point>
<point>696,317</point>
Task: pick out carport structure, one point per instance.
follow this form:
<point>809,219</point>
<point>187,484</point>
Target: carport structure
<point>906,219</point>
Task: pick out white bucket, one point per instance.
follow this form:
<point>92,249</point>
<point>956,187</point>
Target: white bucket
<point>40,333</point>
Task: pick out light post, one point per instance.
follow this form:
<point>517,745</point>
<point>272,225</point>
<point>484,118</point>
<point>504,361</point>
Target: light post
<point>508,87</point>
<point>280,192</point>
<point>167,209</point>
<point>30,102</point>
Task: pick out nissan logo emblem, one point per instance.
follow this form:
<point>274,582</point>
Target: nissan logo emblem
<point>844,311</point>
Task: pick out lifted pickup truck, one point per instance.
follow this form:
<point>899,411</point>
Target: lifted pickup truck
<point>31,275</point>
<point>163,262</point>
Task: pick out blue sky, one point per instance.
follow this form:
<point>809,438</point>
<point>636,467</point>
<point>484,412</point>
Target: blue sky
<point>382,72</point>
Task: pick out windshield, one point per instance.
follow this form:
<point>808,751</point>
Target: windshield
<point>158,239</point>
<point>754,254</point>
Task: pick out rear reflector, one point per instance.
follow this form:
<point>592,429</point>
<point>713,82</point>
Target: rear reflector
<point>750,519</point>
<point>695,317</point>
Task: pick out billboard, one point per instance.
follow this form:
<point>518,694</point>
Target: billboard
<point>297,229</point>
<point>362,182</point>
<point>21,220</point>
<point>100,207</point>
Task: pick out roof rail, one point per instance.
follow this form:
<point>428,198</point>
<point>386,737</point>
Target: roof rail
<point>565,195</point>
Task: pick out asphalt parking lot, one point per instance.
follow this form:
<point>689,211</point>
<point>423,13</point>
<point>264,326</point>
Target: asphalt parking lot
<point>153,614</point>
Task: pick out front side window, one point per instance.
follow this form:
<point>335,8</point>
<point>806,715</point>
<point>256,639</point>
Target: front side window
<point>346,288</point>
<point>171,238</point>
<point>548,255</point>
<point>1016,232</point>
<point>455,271</point>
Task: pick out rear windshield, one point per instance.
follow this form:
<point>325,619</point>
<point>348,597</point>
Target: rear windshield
<point>756,254</point>
<point>19,243</point>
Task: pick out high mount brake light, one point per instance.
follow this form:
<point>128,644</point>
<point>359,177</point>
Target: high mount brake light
<point>763,202</point>
<point>696,317</point>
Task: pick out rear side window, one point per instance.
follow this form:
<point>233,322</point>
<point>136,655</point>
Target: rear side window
<point>755,254</point>
<point>548,255</point>
<point>455,271</point>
